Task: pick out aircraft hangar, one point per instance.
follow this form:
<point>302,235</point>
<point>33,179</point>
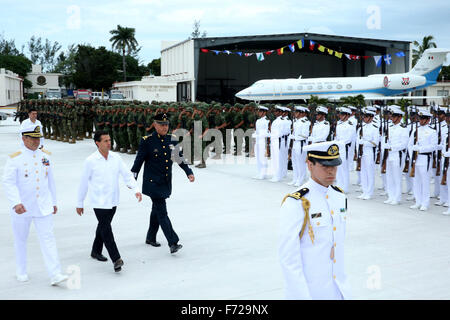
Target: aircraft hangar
<point>215,68</point>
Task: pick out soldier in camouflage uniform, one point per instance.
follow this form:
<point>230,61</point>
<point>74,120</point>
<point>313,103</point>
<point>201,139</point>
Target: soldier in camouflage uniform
<point>115,127</point>
<point>123,130</point>
<point>200,115</point>
<point>108,124</point>
<point>140,121</point>
<point>249,125</point>
<point>131,128</point>
<point>79,120</point>
<point>237,123</point>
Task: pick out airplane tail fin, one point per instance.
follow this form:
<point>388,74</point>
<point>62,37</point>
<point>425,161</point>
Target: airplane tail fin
<point>430,64</point>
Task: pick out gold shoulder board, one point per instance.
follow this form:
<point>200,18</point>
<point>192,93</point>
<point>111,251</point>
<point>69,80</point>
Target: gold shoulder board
<point>46,151</point>
<point>15,154</point>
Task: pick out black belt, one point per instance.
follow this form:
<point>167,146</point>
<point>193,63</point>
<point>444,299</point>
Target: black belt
<point>346,149</point>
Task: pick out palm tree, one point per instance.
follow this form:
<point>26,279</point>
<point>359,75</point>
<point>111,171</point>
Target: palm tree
<point>123,39</point>
<point>426,44</point>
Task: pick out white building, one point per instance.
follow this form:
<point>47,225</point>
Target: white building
<point>440,89</point>
<point>11,89</point>
<point>149,89</point>
<point>42,81</point>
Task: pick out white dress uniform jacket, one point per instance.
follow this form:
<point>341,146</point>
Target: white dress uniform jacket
<point>313,266</point>
<point>261,135</point>
<point>276,133</point>
<point>28,179</point>
<point>320,131</point>
<point>300,134</point>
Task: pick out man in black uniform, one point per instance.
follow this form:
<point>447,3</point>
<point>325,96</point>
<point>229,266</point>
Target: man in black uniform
<point>156,151</point>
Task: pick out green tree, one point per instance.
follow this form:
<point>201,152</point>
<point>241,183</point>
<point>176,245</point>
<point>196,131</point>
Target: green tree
<point>444,74</point>
<point>427,42</point>
<point>155,67</point>
<point>65,64</point>
<point>124,40</point>
<point>196,32</point>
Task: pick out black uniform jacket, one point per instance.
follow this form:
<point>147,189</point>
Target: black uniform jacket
<point>155,152</point>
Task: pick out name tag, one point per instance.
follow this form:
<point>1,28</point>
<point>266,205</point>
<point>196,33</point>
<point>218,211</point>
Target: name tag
<point>316,215</point>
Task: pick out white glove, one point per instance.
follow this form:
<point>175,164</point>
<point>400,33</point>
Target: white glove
<point>415,147</point>
<point>439,147</point>
<point>386,145</point>
<point>359,141</point>
<point>447,154</point>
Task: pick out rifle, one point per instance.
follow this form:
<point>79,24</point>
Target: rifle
<point>406,168</point>
<point>313,120</point>
<point>360,147</point>
<point>439,153</point>
<point>382,116</point>
<point>386,151</point>
<point>444,171</point>
<point>412,173</point>
<point>434,153</point>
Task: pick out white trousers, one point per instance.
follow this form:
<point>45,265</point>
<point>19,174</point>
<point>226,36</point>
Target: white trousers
<point>394,179</point>
<point>298,162</point>
<point>343,175</point>
<point>284,154</point>
<point>261,159</point>
<point>44,230</point>
<point>367,172</point>
<point>274,156</point>
<point>422,185</point>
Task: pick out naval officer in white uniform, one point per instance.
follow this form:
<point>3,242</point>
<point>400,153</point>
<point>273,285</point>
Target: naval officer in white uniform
<point>30,189</point>
<point>312,231</point>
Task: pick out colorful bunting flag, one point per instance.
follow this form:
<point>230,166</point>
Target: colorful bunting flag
<point>227,52</point>
<point>280,51</point>
<point>311,45</point>
<point>338,54</point>
<point>292,47</point>
<point>321,48</point>
<point>330,52</point>
<point>377,60</point>
<point>249,54</point>
<point>239,53</point>
<point>204,50</point>
<point>260,56</point>
<point>269,52</point>
<point>400,54</point>
<point>387,59</point>
<point>300,43</point>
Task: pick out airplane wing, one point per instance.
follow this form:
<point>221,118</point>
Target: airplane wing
<point>402,97</point>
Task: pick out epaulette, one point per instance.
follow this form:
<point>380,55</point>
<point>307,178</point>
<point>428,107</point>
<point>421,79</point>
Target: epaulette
<point>351,123</point>
<point>403,125</point>
<point>15,154</point>
<point>145,137</point>
<point>296,195</point>
<point>46,151</point>
<point>338,189</point>
<point>326,122</point>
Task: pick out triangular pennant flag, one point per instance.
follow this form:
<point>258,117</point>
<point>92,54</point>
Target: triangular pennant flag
<point>216,51</point>
<point>226,51</point>
<point>292,47</point>
<point>348,56</point>
<point>280,51</point>
<point>338,54</point>
<point>311,45</point>
<point>300,43</point>
<point>321,48</point>
<point>387,59</point>
<point>249,54</point>
<point>377,60</point>
<point>330,51</point>
<point>204,50</point>
<point>400,54</point>
<point>269,52</point>
<point>260,56</point>
<point>239,53</point>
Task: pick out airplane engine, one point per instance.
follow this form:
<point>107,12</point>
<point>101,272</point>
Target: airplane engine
<point>403,81</point>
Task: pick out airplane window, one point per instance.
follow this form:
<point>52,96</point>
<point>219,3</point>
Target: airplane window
<point>300,87</point>
<point>329,86</point>
<point>339,86</point>
<point>319,87</point>
<point>349,86</point>
<point>309,87</point>
<point>290,87</point>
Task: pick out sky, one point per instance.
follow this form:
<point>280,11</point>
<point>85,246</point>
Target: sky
<point>88,22</point>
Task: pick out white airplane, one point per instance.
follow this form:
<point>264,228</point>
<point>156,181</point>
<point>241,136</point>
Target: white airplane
<point>375,86</point>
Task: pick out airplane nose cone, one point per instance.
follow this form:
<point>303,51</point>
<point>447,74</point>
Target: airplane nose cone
<point>242,94</point>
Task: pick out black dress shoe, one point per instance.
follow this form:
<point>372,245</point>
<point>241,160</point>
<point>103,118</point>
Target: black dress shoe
<point>98,256</point>
<point>118,265</point>
<point>153,243</point>
<point>175,247</point>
